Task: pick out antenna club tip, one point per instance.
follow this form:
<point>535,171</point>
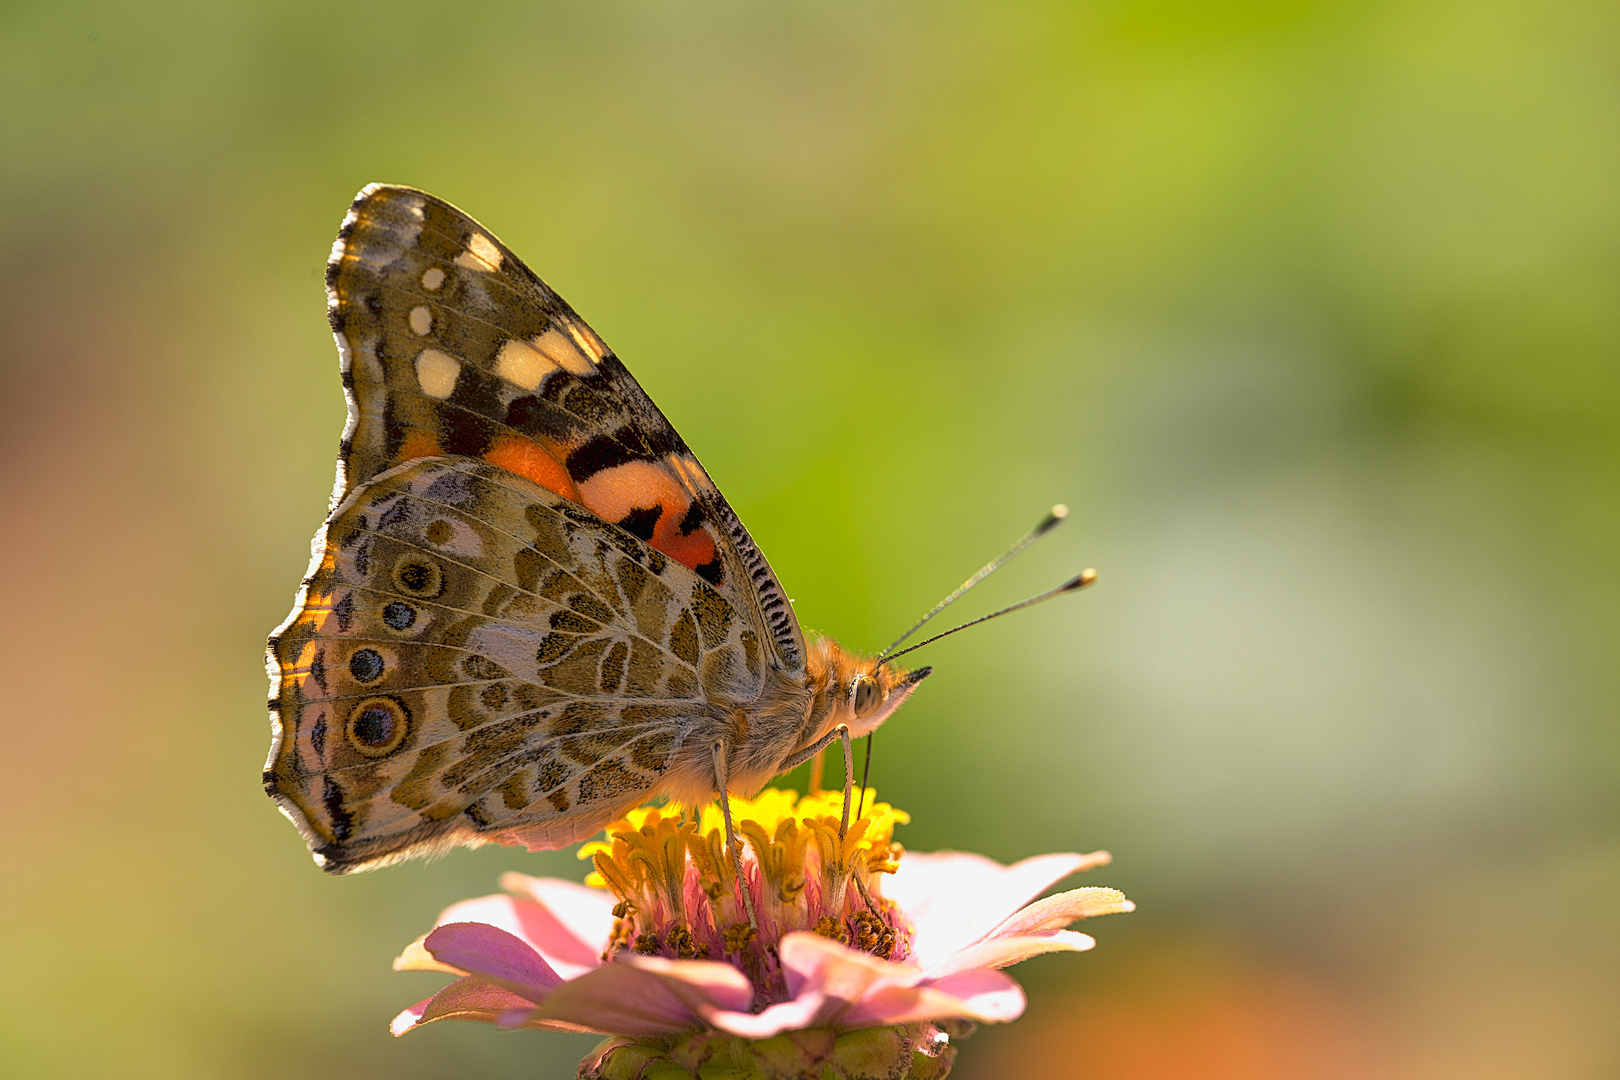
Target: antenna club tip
<point>1053,519</point>
<point>1082,579</point>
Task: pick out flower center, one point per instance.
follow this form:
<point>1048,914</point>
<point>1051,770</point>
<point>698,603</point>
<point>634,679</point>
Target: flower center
<point>679,896</point>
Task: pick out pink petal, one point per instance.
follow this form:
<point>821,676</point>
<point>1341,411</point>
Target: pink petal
<point>580,919</point>
<point>464,999</point>
<point>617,999</point>
<point>499,957</point>
<point>523,1017</point>
<point>859,990</point>
<point>537,925</point>
<point>811,962</point>
<point>836,986</point>
<point>955,898</point>
<point>987,996</point>
<point>409,1018</point>
<point>794,1015</point>
<point>1034,929</point>
<point>417,958</point>
<point>699,983</point>
<point>1056,912</point>
<point>1000,952</point>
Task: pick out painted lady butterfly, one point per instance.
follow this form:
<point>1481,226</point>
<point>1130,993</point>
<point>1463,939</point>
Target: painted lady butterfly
<point>529,609</point>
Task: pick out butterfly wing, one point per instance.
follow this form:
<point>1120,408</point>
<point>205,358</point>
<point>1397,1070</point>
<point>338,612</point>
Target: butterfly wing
<point>527,592</point>
<point>450,345</point>
<point>477,658</point>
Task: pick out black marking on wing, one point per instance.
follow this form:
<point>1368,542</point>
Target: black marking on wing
<point>600,454</point>
<point>478,391</point>
<point>534,415</point>
<point>398,512</point>
<point>641,522</point>
<point>332,798</point>
<point>394,431</point>
<point>465,433</point>
<point>344,610</point>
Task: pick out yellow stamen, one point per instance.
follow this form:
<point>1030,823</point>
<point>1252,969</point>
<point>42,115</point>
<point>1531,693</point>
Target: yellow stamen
<point>808,870</point>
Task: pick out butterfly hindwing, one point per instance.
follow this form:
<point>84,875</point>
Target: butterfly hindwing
<point>475,657</point>
<point>451,346</point>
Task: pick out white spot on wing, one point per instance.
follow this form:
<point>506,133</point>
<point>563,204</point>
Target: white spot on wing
<point>437,373</point>
<point>421,320</point>
<point>481,254</point>
<point>588,342</point>
<point>521,363</point>
<point>433,279</point>
<point>562,351</point>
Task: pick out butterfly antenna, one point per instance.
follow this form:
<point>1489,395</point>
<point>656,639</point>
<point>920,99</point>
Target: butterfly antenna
<point>1079,581</point>
<point>1052,520</point>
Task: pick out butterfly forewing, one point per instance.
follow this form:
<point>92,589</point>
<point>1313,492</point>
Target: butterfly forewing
<point>452,346</point>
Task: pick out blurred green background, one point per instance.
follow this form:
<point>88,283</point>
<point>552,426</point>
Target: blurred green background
<point>1310,311</point>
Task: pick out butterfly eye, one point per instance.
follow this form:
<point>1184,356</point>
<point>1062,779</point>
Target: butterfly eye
<point>867,694</point>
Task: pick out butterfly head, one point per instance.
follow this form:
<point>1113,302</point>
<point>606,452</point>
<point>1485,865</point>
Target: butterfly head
<point>874,694</point>
<point>861,693</point>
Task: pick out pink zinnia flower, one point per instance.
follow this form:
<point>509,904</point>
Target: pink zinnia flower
<point>661,956</point>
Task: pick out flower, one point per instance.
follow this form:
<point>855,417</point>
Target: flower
<point>856,947</point>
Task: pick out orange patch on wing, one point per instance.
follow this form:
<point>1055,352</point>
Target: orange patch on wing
<point>298,670</point>
<point>419,444</point>
<point>529,459</point>
<point>614,493</point>
<point>692,550</point>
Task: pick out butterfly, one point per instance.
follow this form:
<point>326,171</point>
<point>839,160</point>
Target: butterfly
<point>529,609</point>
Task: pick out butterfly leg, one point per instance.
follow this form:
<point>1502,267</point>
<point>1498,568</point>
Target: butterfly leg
<point>849,788</point>
<point>841,733</point>
<point>733,845</point>
<point>814,751</point>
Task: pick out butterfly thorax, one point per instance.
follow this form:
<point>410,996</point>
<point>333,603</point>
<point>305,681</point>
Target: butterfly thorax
<point>790,713</point>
